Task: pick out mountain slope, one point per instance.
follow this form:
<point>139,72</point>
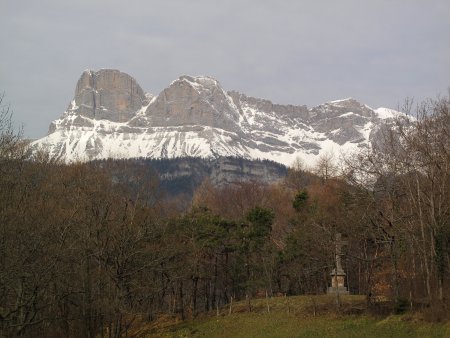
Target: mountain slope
<point>111,117</point>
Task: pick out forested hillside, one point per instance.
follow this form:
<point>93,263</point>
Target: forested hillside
<point>89,250</point>
<point>182,176</point>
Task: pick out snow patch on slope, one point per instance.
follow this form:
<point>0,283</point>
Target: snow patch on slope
<point>386,113</point>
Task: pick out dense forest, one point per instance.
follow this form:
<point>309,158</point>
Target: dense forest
<point>84,254</point>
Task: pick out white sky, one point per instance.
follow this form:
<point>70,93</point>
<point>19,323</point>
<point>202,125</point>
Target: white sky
<point>290,51</point>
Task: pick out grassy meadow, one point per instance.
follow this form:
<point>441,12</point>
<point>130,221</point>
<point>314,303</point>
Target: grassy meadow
<point>301,316</point>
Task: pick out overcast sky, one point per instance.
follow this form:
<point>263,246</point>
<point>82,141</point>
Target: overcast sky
<point>288,51</point>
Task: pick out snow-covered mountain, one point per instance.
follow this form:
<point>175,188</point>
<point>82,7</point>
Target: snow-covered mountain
<point>111,117</point>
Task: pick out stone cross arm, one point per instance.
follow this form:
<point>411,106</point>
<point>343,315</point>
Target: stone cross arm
<point>339,244</point>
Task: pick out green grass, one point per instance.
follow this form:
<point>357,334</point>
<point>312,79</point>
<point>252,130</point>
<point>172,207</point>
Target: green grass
<point>298,320</point>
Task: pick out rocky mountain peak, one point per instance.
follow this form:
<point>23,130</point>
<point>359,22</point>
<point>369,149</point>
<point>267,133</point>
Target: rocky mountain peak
<point>338,108</point>
<point>348,102</point>
<point>193,101</point>
<point>205,81</point>
<point>107,94</point>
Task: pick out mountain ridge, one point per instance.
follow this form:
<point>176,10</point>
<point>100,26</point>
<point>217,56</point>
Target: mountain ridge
<point>112,117</point>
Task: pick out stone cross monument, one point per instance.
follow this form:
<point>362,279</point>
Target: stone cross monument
<point>338,274</point>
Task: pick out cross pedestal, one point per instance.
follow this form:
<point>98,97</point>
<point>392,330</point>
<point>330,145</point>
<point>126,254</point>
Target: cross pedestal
<point>338,274</point>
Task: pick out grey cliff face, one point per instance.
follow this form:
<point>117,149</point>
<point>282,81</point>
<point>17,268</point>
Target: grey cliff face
<point>111,116</point>
<point>193,101</point>
<point>266,106</point>
<point>107,94</point>
<point>341,120</point>
<point>227,171</point>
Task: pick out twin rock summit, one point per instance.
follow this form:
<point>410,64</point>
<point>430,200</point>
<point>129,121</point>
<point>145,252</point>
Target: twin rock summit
<point>112,117</point>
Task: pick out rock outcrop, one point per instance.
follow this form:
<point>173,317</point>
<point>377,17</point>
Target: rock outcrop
<point>107,95</point>
<point>193,101</point>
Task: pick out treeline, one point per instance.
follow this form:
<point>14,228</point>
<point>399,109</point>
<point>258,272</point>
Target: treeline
<point>86,253</point>
<point>183,175</point>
